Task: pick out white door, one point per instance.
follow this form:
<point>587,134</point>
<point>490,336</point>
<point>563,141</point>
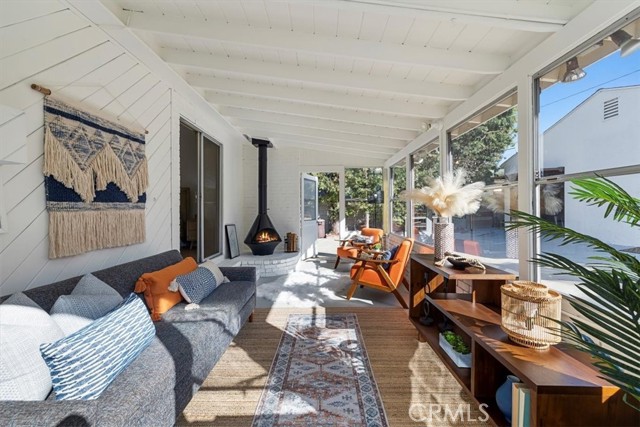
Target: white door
<point>309,216</point>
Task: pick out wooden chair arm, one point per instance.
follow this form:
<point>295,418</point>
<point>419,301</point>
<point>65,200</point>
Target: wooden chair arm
<point>375,261</point>
<point>373,251</point>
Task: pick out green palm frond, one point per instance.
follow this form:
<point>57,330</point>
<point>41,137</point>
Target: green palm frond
<point>604,192</point>
<point>609,326</point>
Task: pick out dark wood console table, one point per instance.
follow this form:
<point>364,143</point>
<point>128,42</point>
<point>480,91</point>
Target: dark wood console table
<point>564,391</point>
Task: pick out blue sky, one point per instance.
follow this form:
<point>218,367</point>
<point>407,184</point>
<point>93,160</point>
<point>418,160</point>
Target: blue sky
<point>558,100</point>
<point>613,71</point>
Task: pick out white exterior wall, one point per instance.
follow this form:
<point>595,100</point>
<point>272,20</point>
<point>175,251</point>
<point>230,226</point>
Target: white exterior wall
<point>583,141</point>
<point>55,46</point>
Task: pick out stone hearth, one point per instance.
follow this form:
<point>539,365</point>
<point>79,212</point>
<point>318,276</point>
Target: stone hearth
<point>276,264</point>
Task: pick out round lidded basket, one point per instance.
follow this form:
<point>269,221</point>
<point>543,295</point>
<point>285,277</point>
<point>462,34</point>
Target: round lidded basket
<point>529,314</point>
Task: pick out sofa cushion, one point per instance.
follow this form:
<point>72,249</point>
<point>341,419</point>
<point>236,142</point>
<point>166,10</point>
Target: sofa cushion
<point>194,286</point>
<point>155,286</point>
<point>221,305</point>
<point>23,327</point>
<point>83,364</point>
<point>90,299</point>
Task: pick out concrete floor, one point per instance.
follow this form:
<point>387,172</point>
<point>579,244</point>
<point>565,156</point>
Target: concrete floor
<point>315,283</point>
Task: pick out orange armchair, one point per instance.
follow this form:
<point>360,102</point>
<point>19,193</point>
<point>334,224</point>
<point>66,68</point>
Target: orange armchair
<point>371,272</point>
<point>347,249</point>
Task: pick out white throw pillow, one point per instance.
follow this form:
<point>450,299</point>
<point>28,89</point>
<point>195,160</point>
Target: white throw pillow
<point>24,325</point>
<point>213,267</point>
<point>89,300</point>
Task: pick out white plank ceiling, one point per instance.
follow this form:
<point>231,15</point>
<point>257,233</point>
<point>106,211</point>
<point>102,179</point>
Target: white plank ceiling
<point>370,75</point>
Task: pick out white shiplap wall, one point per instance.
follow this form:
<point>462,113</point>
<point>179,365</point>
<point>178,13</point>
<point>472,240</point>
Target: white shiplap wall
<point>48,43</point>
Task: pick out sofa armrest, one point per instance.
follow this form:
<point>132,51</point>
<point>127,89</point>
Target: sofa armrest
<point>236,274</point>
<point>48,413</point>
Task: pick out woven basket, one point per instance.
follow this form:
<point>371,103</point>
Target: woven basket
<point>529,311</point>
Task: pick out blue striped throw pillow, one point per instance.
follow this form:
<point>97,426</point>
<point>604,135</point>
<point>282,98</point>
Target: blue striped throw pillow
<point>83,364</point>
<point>195,286</point>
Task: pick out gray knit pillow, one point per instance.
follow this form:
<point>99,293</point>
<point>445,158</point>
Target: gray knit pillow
<point>89,300</point>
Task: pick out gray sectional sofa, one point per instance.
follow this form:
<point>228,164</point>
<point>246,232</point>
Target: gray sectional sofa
<point>157,386</point>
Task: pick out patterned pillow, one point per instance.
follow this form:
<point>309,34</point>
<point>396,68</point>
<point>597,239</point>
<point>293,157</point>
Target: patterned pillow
<point>390,254</point>
<point>213,267</point>
<point>89,300</point>
<point>24,325</point>
<point>195,286</point>
<point>83,364</point>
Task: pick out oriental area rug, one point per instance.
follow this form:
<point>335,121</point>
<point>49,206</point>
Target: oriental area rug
<point>321,376</point>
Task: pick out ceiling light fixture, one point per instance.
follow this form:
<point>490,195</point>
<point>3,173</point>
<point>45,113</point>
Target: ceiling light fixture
<point>625,42</point>
<point>574,72</point>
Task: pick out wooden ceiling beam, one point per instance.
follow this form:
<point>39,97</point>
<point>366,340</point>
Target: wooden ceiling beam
<point>339,152</point>
<point>265,38</point>
<point>304,74</point>
<point>317,123</point>
<point>520,16</point>
<point>264,132</point>
<point>382,144</point>
<point>300,109</point>
<point>315,96</point>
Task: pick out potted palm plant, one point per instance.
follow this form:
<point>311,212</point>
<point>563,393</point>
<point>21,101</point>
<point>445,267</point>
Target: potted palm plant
<point>610,283</point>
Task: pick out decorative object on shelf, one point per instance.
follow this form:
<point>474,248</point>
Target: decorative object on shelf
<point>447,196</point>
<point>232,240</point>
<point>609,281</point>
<point>95,180</point>
<point>504,397</point>
<point>291,242</point>
<point>459,262</point>
<point>530,314</point>
<point>443,236</point>
<point>456,349</point>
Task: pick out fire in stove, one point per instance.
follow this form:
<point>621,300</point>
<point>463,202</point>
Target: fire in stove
<point>266,236</point>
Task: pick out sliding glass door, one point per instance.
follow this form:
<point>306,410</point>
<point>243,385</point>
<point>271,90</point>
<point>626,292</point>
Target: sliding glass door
<point>200,194</point>
<point>210,198</point>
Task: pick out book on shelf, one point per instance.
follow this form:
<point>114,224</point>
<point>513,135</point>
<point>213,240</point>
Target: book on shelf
<point>521,405</point>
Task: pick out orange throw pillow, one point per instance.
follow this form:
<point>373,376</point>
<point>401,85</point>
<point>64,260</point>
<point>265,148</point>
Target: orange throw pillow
<point>155,286</point>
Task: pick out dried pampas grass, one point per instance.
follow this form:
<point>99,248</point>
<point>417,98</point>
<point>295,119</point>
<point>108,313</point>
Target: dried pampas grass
<point>447,195</point>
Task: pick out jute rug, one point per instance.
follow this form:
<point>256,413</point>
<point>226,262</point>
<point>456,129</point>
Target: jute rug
<point>410,377</point>
<point>321,376</point>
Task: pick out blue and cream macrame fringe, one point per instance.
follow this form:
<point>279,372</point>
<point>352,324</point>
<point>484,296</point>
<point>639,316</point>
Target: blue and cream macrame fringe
<point>95,180</point>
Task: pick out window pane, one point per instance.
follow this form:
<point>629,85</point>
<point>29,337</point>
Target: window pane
<point>363,191</point>
<point>486,148</point>
<point>426,165</point>
<point>309,200</point>
<point>398,206</point>
<point>588,220</point>
<point>486,145</point>
<point>210,197</point>
<point>588,124</point>
<point>591,123</point>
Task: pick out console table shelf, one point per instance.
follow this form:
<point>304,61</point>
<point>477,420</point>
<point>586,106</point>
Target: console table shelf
<point>564,391</point>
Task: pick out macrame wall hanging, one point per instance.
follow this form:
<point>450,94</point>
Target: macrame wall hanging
<point>95,180</point>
